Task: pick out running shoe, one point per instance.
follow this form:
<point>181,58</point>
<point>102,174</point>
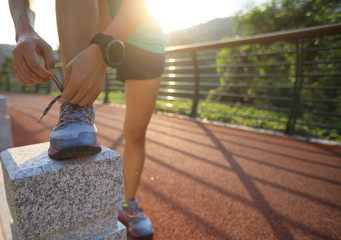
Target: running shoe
<point>74,135</point>
<point>139,226</point>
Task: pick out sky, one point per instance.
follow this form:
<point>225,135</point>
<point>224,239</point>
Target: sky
<point>172,14</point>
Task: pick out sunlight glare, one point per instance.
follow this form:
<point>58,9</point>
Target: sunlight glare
<point>174,14</point>
<point>45,23</point>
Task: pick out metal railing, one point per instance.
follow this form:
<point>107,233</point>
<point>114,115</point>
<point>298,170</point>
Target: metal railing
<point>297,90</point>
<point>287,81</point>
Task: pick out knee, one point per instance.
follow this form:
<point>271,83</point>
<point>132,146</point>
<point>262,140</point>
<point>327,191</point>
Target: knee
<point>135,136</point>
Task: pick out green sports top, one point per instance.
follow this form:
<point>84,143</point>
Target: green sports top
<point>149,36</point>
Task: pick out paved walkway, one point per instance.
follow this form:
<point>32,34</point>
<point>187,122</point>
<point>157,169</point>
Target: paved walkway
<point>203,181</point>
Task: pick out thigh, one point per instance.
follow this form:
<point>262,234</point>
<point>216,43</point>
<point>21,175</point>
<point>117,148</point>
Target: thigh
<point>141,96</point>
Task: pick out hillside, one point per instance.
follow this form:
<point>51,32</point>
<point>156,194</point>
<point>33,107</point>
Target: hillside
<point>209,31</point>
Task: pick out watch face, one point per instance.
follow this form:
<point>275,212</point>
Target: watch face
<point>115,53</point>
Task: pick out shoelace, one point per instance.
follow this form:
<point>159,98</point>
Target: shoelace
<point>61,88</point>
<point>83,113</point>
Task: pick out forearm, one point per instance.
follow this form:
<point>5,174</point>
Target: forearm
<point>23,17</point>
<point>130,16</point>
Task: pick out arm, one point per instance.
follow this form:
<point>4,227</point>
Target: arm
<point>29,47</point>
<point>130,16</point>
<point>84,74</point>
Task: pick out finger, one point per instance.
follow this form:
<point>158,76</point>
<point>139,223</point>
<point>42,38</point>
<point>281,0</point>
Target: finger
<point>96,96</point>
<point>80,99</point>
<point>88,98</point>
<point>27,73</point>
<point>47,53</point>
<point>67,76</point>
<point>32,60</point>
<point>64,98</point>
<point>24,80</point>
<point>93,100</point>
<point>67,95</point>
<point>70,92</point>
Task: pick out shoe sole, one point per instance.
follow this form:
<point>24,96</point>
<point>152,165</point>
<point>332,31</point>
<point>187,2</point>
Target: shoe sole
<point>147,237</point>
<point>74,152</point>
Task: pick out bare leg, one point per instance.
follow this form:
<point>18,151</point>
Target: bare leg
<point>141,96</point>
<point>78,22</point>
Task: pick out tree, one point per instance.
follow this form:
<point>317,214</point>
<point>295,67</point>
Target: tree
<point>5,68</point>
<point>259,60</point>
<point>278,15</point>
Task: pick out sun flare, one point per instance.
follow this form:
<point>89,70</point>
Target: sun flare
<point>176,14</point>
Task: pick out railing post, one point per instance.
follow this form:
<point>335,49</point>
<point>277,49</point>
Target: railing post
<point>37,88</point>
<point>8,83</point>
<point>106,81</point>
<point>196,95</point>
<point>297,88</point>
<point>48,87</point>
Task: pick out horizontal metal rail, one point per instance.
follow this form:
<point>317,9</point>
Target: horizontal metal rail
<point>261,38</point>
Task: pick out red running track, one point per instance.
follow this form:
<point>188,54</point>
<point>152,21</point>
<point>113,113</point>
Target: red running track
<point>203,181</point>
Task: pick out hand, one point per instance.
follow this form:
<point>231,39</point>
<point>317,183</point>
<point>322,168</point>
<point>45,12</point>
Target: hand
<point>84,77</point>
<point>26,62</point>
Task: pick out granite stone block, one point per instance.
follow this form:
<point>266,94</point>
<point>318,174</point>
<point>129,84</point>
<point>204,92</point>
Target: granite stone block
<point>118,233</point>
<point>48,197</point>
<point>115,233</point>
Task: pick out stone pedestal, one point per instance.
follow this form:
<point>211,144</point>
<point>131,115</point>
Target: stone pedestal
<point>5,126</point>
<point>55,200</point>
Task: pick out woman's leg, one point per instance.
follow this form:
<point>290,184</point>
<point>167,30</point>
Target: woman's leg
<point>78,23</point>
<point>141,96</point>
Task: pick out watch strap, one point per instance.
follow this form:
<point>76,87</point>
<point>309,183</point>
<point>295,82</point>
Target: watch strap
<point>102,41</point>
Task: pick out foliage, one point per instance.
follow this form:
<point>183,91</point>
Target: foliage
<point>278,15</point>
<point>5,66</point>
<point>274,65</point>
<point>237,115</point>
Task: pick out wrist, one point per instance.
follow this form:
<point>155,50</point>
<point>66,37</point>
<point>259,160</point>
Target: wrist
<point>97,54</point>
<point>24,32</point>
<point>24,24</point>
<point>113,50</point>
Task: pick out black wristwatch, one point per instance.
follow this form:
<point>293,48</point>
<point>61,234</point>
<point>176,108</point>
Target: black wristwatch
<point>112,49</point>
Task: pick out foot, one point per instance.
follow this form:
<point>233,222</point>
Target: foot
<point>139,226</point>
<point>74,135</point>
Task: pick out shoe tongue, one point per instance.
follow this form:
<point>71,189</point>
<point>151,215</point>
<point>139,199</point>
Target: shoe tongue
<point>74,111</point>
<point>75,107</point>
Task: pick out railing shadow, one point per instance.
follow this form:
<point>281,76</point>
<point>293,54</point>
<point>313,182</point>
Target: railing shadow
<point>280,224</point>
